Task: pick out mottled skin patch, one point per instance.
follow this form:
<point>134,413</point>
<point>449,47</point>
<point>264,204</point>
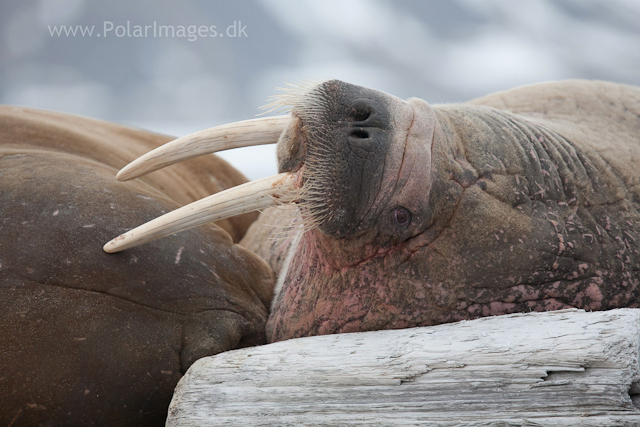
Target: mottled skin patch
<point>531,211</point>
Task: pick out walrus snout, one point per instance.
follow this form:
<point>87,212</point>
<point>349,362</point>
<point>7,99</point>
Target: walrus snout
<point>360,119</point>
<point>349,138</point>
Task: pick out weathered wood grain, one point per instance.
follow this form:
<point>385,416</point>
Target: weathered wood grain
<point>561,368</point>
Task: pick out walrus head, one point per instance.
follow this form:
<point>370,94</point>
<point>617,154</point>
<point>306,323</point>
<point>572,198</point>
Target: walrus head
<point>346,157</point>
<point>354,150</point>
<point>416,215</point>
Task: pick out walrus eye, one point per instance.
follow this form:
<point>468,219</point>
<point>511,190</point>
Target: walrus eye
<point>401,216</point>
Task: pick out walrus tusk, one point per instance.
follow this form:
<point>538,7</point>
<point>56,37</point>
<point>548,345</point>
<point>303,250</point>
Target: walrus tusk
<point>265,130</point>
<point>254,195</point>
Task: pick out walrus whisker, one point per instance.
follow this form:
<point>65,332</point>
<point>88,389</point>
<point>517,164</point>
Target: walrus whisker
<point>265,130</point>
<point>310,107</point>
<point>249,197</point>
<point>293,93</point>
<point>292,225</point>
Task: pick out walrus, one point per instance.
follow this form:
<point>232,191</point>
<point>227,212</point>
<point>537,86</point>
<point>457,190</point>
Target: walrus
<point>94,339</point>
<point>414,214</point>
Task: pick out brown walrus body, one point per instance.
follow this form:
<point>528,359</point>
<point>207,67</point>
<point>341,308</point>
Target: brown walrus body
<point>89,338</point>
<point>523,200</point>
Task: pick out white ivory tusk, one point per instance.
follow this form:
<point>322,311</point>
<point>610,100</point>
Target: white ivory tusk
<point>249,197</point>
<point>265,130</point>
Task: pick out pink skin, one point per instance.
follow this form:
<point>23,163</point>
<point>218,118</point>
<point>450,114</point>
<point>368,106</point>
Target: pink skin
<point>369,296</point>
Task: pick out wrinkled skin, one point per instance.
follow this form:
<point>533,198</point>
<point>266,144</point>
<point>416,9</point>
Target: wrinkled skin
<point>90,338</point>
<point>525,200</point>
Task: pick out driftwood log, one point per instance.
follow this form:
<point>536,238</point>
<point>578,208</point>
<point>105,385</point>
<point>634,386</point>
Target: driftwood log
<point>561,368</point>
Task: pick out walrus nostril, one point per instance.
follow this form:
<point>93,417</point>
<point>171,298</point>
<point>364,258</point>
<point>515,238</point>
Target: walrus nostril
<point>360,111</point>
<point>359,133</point>
<point>361,114</point>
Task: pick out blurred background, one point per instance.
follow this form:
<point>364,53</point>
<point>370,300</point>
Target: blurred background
<point>230,56</point>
